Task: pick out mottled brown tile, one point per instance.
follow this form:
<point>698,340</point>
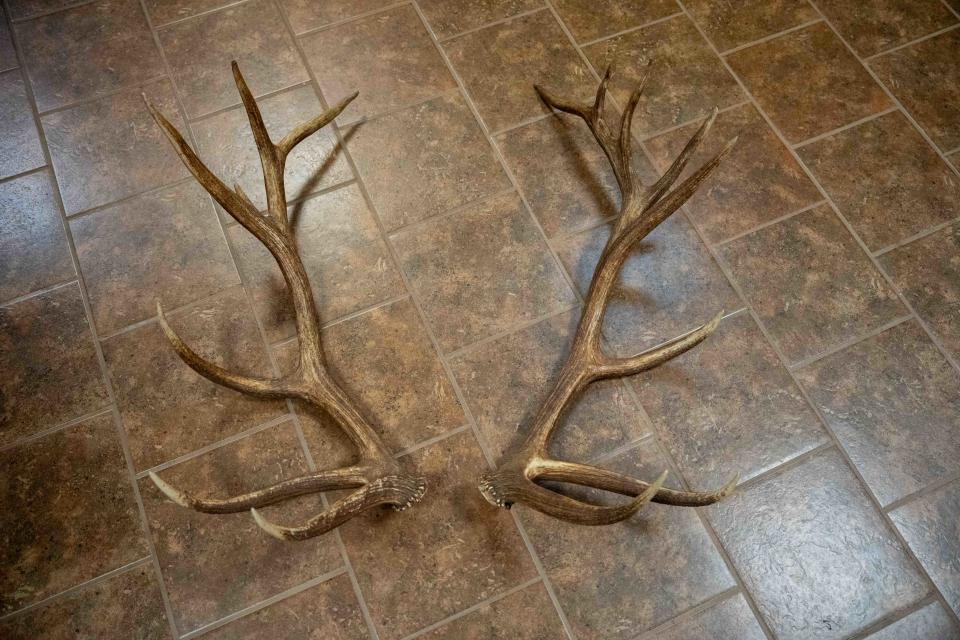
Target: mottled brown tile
<point>592,19</point>
<point>33,248</point>
<point>199,51</point>
<point>758,182</point>
<point>808,82</point>
<point>732,619</point>
<point>450,17</point>
<point>8,55</point>
<point>21,9</point>
<point>388,57</point>
<point>425,160</point>
<point>814,553</point>
<point>70,513</point>
<point>305,15</point>
<point>20,148</point>
<point>481,270</point>
<point>500,64</point>
<point>810,284</point>
<point>49,364</point>
<point>169,410</point>
<point>449,552</point>
<point>165,11</point>
<point>110,149</point>
<point>932,622</point>
<point>733,24</point>
<point>878,26</point>
<point>88,51</point>
<point>686,79</point>
<point>213,565</point>
<point>165,246</point>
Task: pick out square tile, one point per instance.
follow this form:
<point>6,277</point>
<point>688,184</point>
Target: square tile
<point>808,82</point>
<point>8,55</point>
<point>70,512</point>
<point>527,614</point>
<point>810,283</point>
<point>885,179</point>
<point>88,51</point>
<point>481,270</point>
<point>816,570</point>
<point>878,26</point>
<point>306,15</point>
<point>122,151</point>
<point>51,373</point>
<point>450,17</point>
<point>20,148</point>
<point>425,160</point>
<point>732,619</point>
<point>932,621</point>
<point>165,246</point>
<point>734,24</point>
<point>166,11</point>
<point>500,64</point>
<point>594,19</point>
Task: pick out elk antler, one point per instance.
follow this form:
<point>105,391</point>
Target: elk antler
<point>641,210</point>
<point>376,476</point>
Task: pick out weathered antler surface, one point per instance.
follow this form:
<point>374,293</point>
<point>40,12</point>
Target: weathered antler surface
<point>376,475</point>
<point>642,209</point>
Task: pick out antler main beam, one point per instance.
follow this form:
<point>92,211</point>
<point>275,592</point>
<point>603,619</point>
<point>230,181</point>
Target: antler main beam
<point>642,209</point>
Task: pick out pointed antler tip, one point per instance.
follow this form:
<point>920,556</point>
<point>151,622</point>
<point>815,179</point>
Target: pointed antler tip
<point>276,531</point>
<point>175,495</point>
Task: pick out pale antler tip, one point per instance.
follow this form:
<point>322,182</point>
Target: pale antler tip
<point>175,495</point>
<point>278,532</point>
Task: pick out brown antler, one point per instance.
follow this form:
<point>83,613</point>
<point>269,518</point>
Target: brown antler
<point>376,476</point>
<point>642,209</point>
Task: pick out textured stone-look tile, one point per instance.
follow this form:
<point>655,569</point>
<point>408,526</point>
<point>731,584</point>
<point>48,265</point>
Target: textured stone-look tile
<point>346,261</point>
<point>164,246</point>
<point>425,160</point>
<point>165,11</point>
<point>686,79</point>
<point>169,410</point>
<point>111,148</point>
<point>88,51</point>
<point>589,20</point>
<point>500,65</point>
<point>305,15</point>
<point>213,565</point>
<point>669,285</point>
<point>734,24</point>
<point>732,619</point>
<point>8,55</point>
<point>728,407</point>
<point>506,380</point>
<point>927,272</point>
<point>388,57</point>
<point>926,79</point>
<point>816,556</point>
<point>69,512</point>
<point>20,9</point>
<point>199,51</point>
<point>618,580</point>
<point>885,179</point>
<point>481,270</point>
<point>758,182</point>
<point>899,440</point>
<point>20,148</point>
<point>124,606</point>
<point>449,552</point>
<point>808,82</point>
<point>450,17</point>
<point>878,26</point>
<point>810,284</point>
<point>50,369</point>
<point>932,621</point>
<point>33,248</point>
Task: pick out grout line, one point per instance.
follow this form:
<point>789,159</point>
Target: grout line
<point>345,121</point>
<point>849,125</point>
<point>102,96</point>
<point>850,342</point>
<point>895,616</point>
<point>412,227</point>
<point>646,137</point>
<point>929,36</point>
<point>44,14</point>
<point>423,444</point>
<point>342,21</point>
<point>933,487</point>
<point>523,123</point>
<point>917,236</point>
<point>772,36</point>
<point>63,426</point>
<point>127,198</point>
<point>37,293</point>
<point>209,115</point>
<point>515,328</point>
<point>769,223</point>
<point>28,172</point>
<point>198,15</point>
<point>688,614</point>
<point>616,34</point>
<point>495,23</point>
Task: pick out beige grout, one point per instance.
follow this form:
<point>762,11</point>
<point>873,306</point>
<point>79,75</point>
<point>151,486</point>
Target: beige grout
<point>38,292</point>
<point>929,36</point>
<point>238,106</point>
<point>44,14</point>
<point>917,236</point>
<point>610,36</point>
<point>472,30</point>
<point>768,38</point>
<point>849,125</point>
<point>130,86</point>
<point>850,342</point>
<point>689,614</point>
<point>354,18</point>
<point>199,14</point>
<point>768,223</point>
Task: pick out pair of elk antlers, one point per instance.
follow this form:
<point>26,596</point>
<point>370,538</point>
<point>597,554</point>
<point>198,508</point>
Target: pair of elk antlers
<point>377,477</point>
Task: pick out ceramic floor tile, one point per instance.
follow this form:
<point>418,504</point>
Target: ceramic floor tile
<point>734,24</point>
<point>166,11</point>
<point>732,619</point>
<point>8,55</point>
<point>20,148</point>
<point>882,25</point>
<point>592,19</point>
<point>22,9</point>
<point>450,17</point>
<point>929,622</point>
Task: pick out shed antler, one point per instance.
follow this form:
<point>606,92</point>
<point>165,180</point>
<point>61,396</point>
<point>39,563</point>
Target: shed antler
<point>376,476</point>
<point>642,209</point>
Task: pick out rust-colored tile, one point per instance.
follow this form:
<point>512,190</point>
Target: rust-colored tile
<point>500,64</point>
<point>110,149</point>
<point>810,284</point>
<point>885,179</point>
<point>733,24</point>
<point>200,49</point>
<point>69,515</point>
<point>728,407</point>
<point>305,15</point>
<point>481,270</point>
<point>878,26</point>
<point>127,605</point>
<point>49,364</point>
<point>669,285</point>
<point>343,254</point>
<point>168,410</point>
<point>932,621</point>
<point>926,79</point>
<point>686,80</point>
<point>164,246</point>
<point>450,17</point>
<point>87,51</point>
<point>213,565</point>
<point>814,553</point>
<point>388,57</point>
<point>20,148</point>
<point>425,160</point>
<point>592,19</point>
<point>449,552</point>
<point>33,248</point>
<point>808,82</point>
<point>732,619</point>
<point>900,441</point>
<point>8,55</point>
<point>165,11</point>
<point>758,182</point>
<point>504,382</point>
